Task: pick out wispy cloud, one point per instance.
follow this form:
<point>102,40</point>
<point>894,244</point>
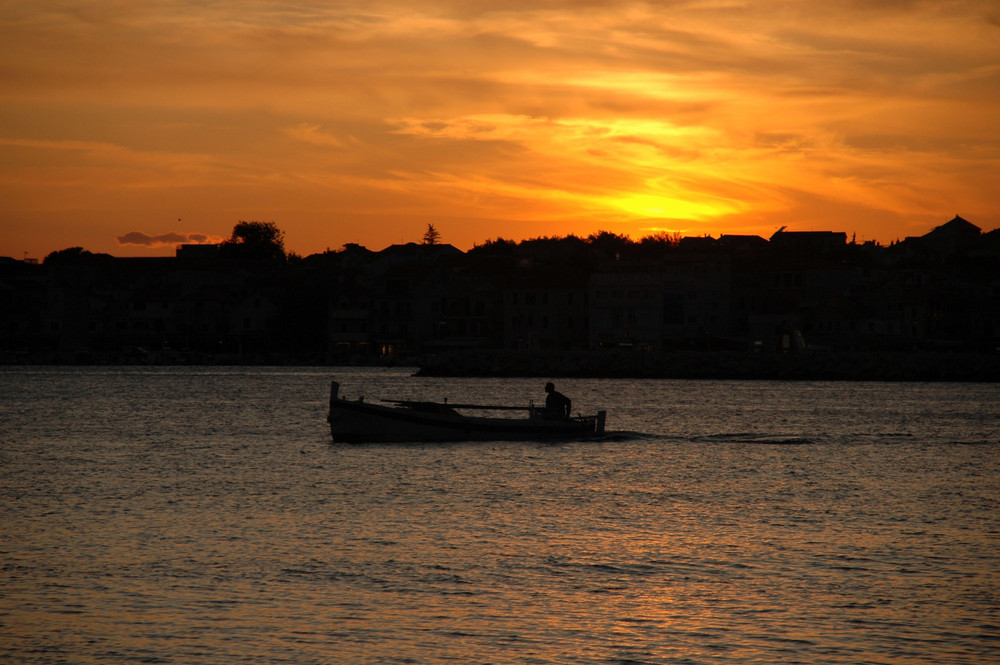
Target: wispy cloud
<point>327,116</point>
<point>167,239</point>
<point>312,133</point>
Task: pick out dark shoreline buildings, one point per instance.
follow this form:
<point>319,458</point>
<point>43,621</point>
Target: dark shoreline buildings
<point>797,292</point>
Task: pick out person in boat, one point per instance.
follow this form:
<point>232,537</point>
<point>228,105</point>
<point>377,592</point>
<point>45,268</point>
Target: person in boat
<point>557,405</point>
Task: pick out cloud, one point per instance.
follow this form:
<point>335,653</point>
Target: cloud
<point>167,239</point>
<point>314,134</point>
<point>347,121</point>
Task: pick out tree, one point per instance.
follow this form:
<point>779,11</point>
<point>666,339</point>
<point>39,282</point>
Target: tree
<point>67,255</point>
<point>255,240</point>
<point>432,236</point>
<point>72,255</point>
<point>500,246</point>
<point>662,240</point>
<point>610,244</point>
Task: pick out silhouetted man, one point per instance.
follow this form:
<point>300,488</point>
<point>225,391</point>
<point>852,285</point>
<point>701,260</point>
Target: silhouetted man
<point>557,405</point>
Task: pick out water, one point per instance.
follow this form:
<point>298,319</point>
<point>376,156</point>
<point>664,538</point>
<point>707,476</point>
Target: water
<point>185,515</point>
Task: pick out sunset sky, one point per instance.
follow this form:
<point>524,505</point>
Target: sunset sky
<point>128,127</point>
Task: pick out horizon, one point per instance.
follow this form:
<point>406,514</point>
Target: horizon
<point>342,247</point>
<point>128,130</point>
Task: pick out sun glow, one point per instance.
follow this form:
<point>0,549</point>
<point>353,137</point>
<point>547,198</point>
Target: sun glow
<point>363,124</point>
<point>616,169</point>
<point>646,206</point>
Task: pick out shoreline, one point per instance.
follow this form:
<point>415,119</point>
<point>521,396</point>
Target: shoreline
<point>917,366</point>
<point>722,365</point>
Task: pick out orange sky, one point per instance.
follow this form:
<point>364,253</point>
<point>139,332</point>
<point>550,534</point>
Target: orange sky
<point>163,120</point>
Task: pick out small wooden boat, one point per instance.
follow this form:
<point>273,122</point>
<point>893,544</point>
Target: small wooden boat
<point>411,421</point>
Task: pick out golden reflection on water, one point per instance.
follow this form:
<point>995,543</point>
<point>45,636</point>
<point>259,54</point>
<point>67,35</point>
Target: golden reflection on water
<point>265,543</point>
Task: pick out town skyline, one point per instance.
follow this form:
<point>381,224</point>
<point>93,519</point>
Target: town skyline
<point>173,244</point>
<point>244,302</point>
<point>129,129</point>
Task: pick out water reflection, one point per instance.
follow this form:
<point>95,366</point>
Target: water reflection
<point>204,516</point>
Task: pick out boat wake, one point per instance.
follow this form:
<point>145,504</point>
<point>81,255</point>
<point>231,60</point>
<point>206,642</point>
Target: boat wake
<point>756,438</point>
<point>622,436</point>
<point>746,438</point>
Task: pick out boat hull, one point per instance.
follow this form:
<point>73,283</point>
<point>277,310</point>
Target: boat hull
<point>360,422</point>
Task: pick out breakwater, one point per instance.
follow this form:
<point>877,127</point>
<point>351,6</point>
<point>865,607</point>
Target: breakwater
<point>806,366</point>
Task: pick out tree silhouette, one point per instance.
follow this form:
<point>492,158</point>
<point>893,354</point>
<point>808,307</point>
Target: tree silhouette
<point>610,244</point>
<point>66,255</point>
<point>431,236</point>
<point>255,240</point>
<point>662,239</point>
<point>499,246</point>
<point>73,255</point>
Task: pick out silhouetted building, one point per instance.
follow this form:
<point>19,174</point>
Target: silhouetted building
<point>808,241</point>
<point>798,290</point>
<point>197,251</point>
<point>682,301</point>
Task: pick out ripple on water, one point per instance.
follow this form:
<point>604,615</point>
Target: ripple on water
<point>203,516</point>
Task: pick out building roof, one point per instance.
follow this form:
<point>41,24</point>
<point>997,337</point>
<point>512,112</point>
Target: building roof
<point>956,229</point>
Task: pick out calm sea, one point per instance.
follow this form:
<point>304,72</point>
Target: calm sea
<point>202,515</point>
